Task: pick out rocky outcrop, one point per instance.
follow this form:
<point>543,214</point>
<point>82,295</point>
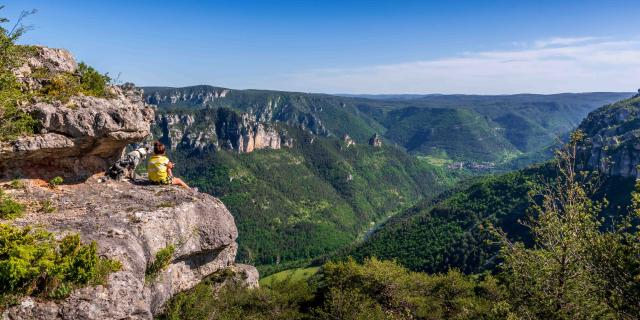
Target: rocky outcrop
<point>131,223</point>
<point>259,138</point>
<point>375,141</point>
<point>54,61</point>
<point>219,128</point>
<point>294,109</point>
<point>237,275</point>
<point>348,141</point>
<point>193,96</point>
<point>612,145</point>
<point>79,137</point>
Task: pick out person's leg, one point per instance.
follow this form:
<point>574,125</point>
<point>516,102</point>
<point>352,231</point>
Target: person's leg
<point>179,182</point>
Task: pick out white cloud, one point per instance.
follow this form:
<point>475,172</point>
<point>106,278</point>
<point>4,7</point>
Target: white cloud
<point>545,66</point>
<point>559,41</point>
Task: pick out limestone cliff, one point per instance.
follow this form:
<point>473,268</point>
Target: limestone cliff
<point>197,96</point>
<point>78,137</point>
<point>130,223</point>
<point>612,145</point>
<point>294,109</point>
<point>215,129</point>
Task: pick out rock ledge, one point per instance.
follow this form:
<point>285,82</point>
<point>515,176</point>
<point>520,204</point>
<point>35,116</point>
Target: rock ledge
<point>77,138</point>
<point>130,223</point>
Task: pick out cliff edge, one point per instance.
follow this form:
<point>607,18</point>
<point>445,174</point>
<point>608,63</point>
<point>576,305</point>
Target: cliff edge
<point>612,145</point>
<point>131,223</point>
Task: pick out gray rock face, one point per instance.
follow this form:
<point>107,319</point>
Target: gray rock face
<point>215,129</point>
<point>348,141</point>
<point>131,224</point>
<point>54,61</point>
<point>78,138</point>
<point>613,139</point>
<point>375,141</point>
<point>200,95</point>
<point>255,135</point>
<point>75,142</point>
<point>249,275</point>
<point>237,275</point>
<point>296,110</point>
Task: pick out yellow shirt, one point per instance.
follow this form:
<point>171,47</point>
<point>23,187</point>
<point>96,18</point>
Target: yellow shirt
<point>157,168</point>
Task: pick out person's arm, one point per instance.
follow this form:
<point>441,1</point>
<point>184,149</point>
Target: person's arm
<point>170,166</point>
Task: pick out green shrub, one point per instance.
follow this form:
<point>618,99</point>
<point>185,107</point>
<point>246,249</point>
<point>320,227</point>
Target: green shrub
<point>56,181</point>
<point>60,292</point>
<point>194,305</point>
<point>284,301</point>
<point>46,206</point>
<point>162,260</point>
<point>14,122</point>
<point>103,269</point>
<point>17,184</point>
<point>63,86</point>
<point>33,262</point>
<point>402,294</point>
<point>9,208</point>
<point>350,305</point>
<point>348,290</point>
<point>92,82</point>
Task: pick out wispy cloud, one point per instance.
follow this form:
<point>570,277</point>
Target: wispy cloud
<point>564,41</point>
<point>545,66</point>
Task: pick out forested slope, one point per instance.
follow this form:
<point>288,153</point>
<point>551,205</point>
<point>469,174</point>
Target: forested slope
<point>298,203</point>
<point>450,127</point>
<point>454,229</point>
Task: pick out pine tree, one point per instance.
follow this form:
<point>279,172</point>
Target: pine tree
<point>553,279</point>
<point>615,260</point>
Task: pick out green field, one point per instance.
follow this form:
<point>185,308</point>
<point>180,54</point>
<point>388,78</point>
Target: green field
<point>438,161</point>
<point>291,275</point>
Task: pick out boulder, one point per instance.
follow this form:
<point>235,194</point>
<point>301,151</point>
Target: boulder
<point>77,138</point>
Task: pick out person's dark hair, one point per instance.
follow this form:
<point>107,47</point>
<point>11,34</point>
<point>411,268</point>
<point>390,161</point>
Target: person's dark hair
<point>158,148</point>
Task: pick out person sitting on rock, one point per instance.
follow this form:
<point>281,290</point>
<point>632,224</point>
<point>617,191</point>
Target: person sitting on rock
<point>159,168</point>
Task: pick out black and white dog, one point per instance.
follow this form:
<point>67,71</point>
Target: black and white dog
<point>125,168</point>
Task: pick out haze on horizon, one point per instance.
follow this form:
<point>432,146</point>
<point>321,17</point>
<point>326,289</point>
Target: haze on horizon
<point>358,47</point>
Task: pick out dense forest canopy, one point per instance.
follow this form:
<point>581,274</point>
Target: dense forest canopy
<point>295,204</point>
<point>569,268</point>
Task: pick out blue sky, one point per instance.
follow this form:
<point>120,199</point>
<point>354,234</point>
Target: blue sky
<point>483,47</point>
